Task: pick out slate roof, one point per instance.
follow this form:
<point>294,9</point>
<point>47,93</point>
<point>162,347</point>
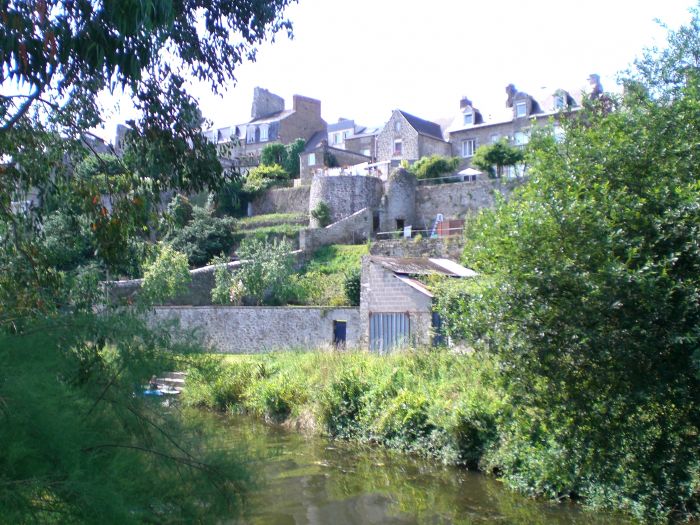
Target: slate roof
<point>424,127</point>
<point>315,141</point>
<point>343,124</point>
<point>272,118</point>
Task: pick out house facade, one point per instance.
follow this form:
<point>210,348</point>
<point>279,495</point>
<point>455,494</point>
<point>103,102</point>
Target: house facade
<point>318,157</point>
<point>469,130</point>
<point>240,145</point>
<point>406,137</point>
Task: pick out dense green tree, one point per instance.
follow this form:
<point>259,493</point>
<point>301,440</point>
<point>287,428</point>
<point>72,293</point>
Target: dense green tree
<point>264,275</point>
<point>273,154</point>
<point>76,444</point>
<point>433,166</point>
<point>292,163</point>
<point>203,237</point>
<point>589,298</point>
<point>286,157</point>
<point>264,177</point>
<point>493,158</point>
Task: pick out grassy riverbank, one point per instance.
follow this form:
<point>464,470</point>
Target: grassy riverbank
<point>450,407</point>
<point>437,404</point>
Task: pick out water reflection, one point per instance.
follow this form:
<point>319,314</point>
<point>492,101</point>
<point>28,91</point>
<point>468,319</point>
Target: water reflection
<point>311,481</point>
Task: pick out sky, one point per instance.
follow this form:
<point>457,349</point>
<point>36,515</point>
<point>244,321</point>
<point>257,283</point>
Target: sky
<point>365,58</point>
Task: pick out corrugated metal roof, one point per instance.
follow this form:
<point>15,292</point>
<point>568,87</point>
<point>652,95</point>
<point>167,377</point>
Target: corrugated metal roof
<point>415,284</point>
<point>423,266</point>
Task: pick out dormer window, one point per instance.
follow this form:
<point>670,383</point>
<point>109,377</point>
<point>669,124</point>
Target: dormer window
<point>559,101</point>
<point>469,118</point>
<point>521,109</point>
<point>263,134</point>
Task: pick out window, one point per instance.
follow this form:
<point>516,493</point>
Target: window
<point>345,134</point>
<point>251,134</point>
<point>468,118</point>
<point>398,148</point>
<point>520,109</point>
<point>397,126</point>
<point>337,138</point>
<point>468,148</point>
<point>312,159</point>
<point>521,138</point>
<point>495,137</point>
<point>559,102</point>
<point>263,133</point>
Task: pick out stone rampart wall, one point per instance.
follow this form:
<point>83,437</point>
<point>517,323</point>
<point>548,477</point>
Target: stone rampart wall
<point>354,229</point>
<point>457,200</point>
<point>345,194</point>
<point>251,330</point>
<point>442,247</point>
<point>282,200</point>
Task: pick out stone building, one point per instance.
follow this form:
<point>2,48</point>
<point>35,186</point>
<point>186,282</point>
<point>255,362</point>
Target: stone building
<point>364,143</point>
<point>395,306</point>
<point>318,156</point>
<point>405,137</point>
<point>469,129</point>
<point>240,145</point>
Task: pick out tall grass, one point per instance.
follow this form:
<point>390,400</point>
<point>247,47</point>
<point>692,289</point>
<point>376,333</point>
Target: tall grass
<point>437,404</point>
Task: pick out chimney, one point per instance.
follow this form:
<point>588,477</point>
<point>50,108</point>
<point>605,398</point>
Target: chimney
<point>265,103</point>
<point>306,104</point>
<point>464,103</point>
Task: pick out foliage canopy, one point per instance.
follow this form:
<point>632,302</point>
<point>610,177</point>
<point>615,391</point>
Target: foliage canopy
<point>589,299</point>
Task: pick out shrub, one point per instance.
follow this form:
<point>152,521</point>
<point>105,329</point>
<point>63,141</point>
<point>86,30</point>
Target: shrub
<point>351,286</point>
<point>322,214</point>
<point>167,276</point>
<point>433,166</point>
<point>264,177</point>
<point>203,238</point>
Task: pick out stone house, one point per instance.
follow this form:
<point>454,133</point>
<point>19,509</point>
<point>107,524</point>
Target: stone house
<point>395,306</point>
<point>318,156</point>
<point>406,137</point>
<point>469,129</point>
<point>364,142</point>
<point>240,145</point>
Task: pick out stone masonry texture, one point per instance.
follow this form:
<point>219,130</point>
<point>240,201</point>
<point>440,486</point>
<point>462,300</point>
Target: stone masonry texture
<point>253,330</point>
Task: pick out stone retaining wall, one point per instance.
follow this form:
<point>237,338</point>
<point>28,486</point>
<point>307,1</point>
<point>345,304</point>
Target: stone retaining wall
<point>252,329</point>
<point>442,247</point>
<point>457,200</point>
<point>354,229</point>
<point>282,200</point>
<point>198,290</point>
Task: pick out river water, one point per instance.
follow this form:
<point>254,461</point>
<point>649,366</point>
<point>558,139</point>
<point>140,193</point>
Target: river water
<point>310,480</point>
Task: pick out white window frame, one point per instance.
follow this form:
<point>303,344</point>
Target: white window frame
<point>521,109</point>
<point>264,137</point>
<point>468,148</point>
<point>398,151</point>
<point>469,118</point>
<point>520,138</point>
<point>312,159</point>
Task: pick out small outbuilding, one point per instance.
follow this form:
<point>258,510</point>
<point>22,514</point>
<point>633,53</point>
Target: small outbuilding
<point>395,305</point>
